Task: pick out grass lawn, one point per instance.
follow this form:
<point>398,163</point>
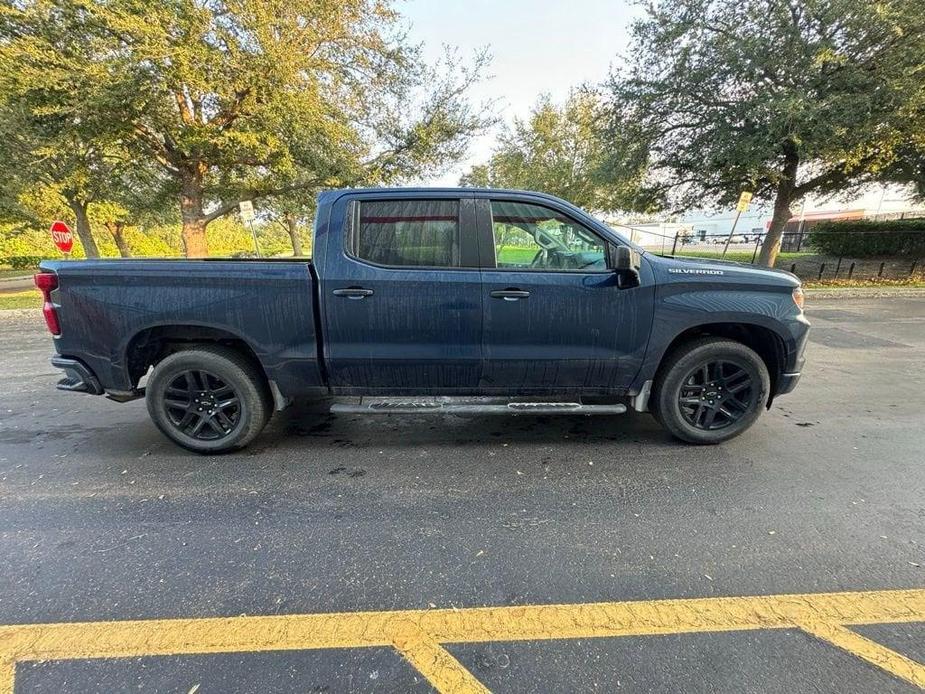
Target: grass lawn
<point>31,298</point>
<point>6,273</point>
<point>514,255</point>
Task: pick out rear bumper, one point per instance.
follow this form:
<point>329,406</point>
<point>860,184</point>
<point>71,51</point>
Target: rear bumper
<point>78,378</point>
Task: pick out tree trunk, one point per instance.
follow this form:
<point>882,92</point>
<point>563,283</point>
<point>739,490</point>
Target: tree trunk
<point>293,229</point>
<point>192,214</point>
<point>117,230</point>
<point>786,196</point>
<point>782,213</point>
<point>83,227</point>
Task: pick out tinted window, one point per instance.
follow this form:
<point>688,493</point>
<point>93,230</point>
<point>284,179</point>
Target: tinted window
<point>423,233</point>
<point>532,237</point>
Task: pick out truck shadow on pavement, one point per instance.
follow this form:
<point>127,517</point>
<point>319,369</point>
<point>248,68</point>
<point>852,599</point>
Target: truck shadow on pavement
<point>301,422</point>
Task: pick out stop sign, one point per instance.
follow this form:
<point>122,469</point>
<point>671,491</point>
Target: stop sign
<point>62,236</point>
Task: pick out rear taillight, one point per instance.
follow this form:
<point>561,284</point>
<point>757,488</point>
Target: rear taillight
<point>46,282</point>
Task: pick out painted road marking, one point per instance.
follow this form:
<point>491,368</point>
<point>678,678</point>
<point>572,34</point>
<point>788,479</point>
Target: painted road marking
<point>419,634</point>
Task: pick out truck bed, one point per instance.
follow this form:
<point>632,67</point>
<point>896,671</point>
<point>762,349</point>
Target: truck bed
<point>112,310</point>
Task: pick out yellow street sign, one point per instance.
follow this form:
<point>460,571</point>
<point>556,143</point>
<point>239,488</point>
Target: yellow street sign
<point>744,199</point>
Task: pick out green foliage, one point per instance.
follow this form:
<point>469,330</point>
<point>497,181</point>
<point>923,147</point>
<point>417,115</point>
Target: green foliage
<point>211,103</point>
<point>870,238</point>
<point>17,241</point>
<point>779,98</point>
<point>22,262</point>
<point>726,93</point>
<point>227,237</point>
<point>559,150</point>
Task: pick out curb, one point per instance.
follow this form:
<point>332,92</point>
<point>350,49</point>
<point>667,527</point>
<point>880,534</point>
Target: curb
<point>863,292</point>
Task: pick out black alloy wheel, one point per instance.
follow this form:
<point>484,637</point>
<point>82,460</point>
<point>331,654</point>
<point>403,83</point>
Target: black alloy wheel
<point>710,389</point>
<point>209,398</point>
<point>201,405</point>
<point>715,395</point>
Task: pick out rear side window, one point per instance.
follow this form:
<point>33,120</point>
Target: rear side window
<point>407,233</point>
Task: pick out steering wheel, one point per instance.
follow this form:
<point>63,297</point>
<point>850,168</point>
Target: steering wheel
<point>539,260</point>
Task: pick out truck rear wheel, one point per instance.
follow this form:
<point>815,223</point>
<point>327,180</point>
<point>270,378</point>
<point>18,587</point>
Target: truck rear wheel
<point>711,390</point>
<point>208,399</point>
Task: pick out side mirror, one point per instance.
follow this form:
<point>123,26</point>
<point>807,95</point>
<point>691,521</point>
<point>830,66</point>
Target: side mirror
<point>625,262</point>
<point>622,258</point>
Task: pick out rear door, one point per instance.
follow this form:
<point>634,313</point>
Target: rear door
<point>401,294</point>
<point>556,320</point>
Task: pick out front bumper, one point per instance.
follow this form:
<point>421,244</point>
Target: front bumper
<point>796,358</point>
<point>78,378</point>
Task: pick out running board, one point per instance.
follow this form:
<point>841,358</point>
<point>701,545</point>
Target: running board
<point>470,406</point>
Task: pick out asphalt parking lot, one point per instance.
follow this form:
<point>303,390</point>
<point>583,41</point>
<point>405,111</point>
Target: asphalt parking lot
<point>422,520</point>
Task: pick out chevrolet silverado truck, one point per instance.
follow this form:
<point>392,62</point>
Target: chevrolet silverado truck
<point>459,301</point>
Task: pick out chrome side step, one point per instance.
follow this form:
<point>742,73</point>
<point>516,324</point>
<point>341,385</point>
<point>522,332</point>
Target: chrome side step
<point>470,406</point>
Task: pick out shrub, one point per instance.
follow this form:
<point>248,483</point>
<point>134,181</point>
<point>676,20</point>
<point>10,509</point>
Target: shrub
<point>23,262</point>
<point>870,238</point>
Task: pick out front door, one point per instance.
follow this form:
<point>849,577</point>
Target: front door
<point>556,320</point>
<point>402,301</point>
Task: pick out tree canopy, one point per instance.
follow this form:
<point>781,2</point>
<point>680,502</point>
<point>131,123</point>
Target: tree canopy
<point>780,97</point>
<point>559,149</point>
<point>238,99</point>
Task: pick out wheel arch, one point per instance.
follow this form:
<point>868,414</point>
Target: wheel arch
<point>764,341</point>
<point>150,345</point>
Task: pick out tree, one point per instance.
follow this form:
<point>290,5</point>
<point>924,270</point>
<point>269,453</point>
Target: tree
<point>42,168</point>
<point>559,150</point>
<point>780,97</point>
<point>294,214</point>
<point>138,195</point>
<point>244,99</point>
<point>51,150</point>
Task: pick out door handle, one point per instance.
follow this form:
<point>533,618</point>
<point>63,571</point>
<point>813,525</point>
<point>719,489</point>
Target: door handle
<point>510,294</point>
<point>353,292</point>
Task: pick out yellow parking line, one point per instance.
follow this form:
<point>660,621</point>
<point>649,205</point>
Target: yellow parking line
<point>417,634</point>
<point>871,651</point>
<point>440,668</point>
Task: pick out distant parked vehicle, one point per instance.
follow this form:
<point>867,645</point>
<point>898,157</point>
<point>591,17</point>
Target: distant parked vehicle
<point>462,301</point>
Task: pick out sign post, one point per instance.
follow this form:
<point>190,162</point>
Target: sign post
<point>742,206</point>
<point>246,208</point>
<point>62,236</point>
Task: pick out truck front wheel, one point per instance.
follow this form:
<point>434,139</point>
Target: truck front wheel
<point>710,390</point>
<point>208,399</point>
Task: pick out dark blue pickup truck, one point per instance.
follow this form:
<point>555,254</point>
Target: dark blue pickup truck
<point>461,301</point>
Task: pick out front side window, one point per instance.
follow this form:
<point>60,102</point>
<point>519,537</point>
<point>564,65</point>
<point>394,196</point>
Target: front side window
<point>407,233</point>
<point>533,237</point>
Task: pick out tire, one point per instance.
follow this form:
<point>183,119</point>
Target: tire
<point>710,390</point>
<point>229,391</point>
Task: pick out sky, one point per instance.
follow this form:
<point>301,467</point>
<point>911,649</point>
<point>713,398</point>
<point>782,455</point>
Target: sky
<point>537,46</point>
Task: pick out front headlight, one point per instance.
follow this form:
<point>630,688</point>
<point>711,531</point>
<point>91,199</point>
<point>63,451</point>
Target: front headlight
<point>798,297</point>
